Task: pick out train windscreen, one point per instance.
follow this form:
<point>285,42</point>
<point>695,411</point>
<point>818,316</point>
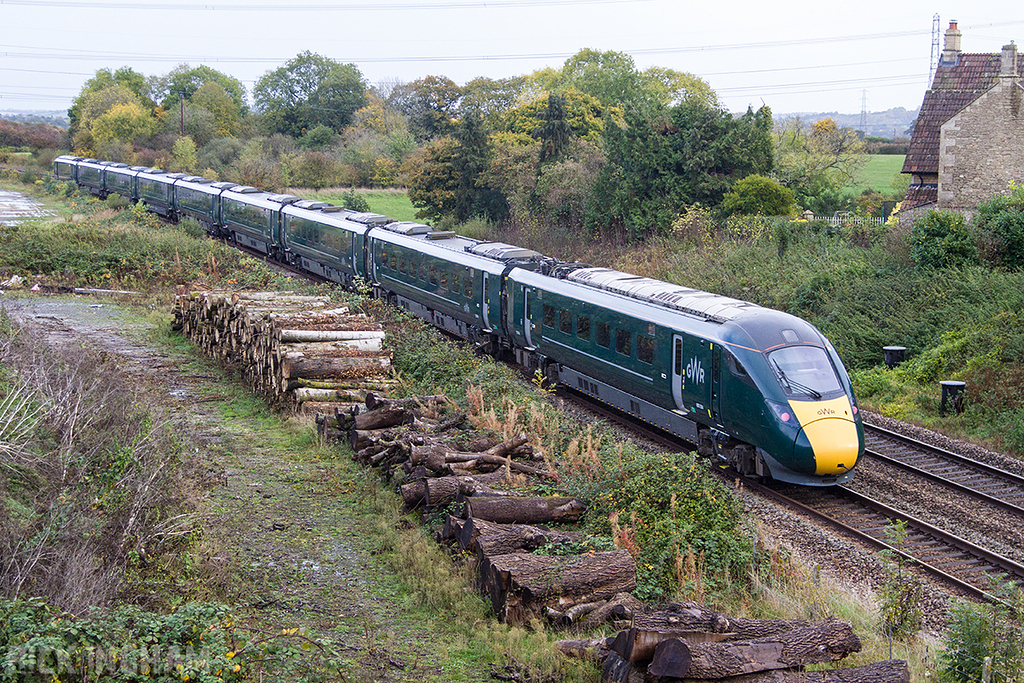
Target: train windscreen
<point>804,371</point>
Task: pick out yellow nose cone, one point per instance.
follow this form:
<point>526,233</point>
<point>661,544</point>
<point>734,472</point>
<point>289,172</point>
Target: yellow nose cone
<point>835,445</point>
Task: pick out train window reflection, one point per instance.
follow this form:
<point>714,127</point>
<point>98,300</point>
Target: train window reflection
<point>804,371</point>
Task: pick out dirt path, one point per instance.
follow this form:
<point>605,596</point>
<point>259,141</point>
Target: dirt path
<point>286,538</point>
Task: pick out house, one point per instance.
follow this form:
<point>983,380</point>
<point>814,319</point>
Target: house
<point>968,143</point>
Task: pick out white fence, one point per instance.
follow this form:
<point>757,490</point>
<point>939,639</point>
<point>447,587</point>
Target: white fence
<point>846,220</point>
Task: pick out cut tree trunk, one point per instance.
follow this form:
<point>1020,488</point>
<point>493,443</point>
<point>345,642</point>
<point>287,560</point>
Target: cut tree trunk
<point>332,335</point>
<point>383,418</point>
<point>374,401</point>
<point>889,671</point>
<point>694,617</point>
<point>300,366</point>
<point>828,641</point>
<point>521,586</point>
<point>525,510</point>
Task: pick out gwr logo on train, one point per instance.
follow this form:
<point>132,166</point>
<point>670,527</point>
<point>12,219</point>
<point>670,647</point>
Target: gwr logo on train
<point>694,371</point>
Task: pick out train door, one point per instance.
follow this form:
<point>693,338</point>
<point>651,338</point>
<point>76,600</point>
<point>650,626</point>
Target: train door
<point>691,375</point>
<point>486,299</point>
<point>716,383</point>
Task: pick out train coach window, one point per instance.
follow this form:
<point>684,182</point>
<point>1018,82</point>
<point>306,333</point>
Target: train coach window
<point>403,266</point>
<point>604,335</point>
<point>394,261</point>
<point>467,285</point>
<point>456,283</point>
<point>423,270</point>
<point>623,342</point>
<point>565,321</point>
<point>645,349</point>
<point>583,327</point>
<point>444,279</point>
<point>433,275</point>
<point>383,255</point>
<point>550,316</point>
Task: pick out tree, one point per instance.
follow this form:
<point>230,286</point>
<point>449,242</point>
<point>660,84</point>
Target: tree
<point>309,90</point>
<point>125,77</point>
<point>583,113</point>
<point>189,81</point>
<point>689,154</point>
<point>227,113</point>
<point>185,157</point>
<point>758,196</point>
<point>474,196</point>
<point>815,161</point>
<point>434,182</point>
<point>554,131</point>
<point>492,97</point>
<point>431,103</point>
<point>611,77</point>
<point>121,115</point>
<point>675,87</point>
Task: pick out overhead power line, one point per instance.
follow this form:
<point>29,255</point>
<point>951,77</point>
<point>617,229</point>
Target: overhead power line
<point>325,7</point>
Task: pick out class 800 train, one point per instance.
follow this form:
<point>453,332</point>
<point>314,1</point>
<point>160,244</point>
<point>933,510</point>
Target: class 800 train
<point>753,388</point>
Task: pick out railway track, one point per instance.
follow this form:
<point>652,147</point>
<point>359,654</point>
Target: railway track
<point>970,477</point>
<point>955,561</point>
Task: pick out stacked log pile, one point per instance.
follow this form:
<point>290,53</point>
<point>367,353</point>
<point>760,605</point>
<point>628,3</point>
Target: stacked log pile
<point>526,569</point>
<point>688,642</point>
<point>291,348</point>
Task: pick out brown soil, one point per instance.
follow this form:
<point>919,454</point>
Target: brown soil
<point>285,538</point>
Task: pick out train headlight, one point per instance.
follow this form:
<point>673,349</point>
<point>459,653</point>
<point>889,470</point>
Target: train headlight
<point>784,414</point>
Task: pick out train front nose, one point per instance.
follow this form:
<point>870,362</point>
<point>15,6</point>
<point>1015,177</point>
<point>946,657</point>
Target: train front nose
<point>828,436</point>
<point>834,443</point>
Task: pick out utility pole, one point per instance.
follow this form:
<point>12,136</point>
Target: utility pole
<point>181,99</point>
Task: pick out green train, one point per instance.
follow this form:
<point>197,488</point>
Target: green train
<point>756,389</point>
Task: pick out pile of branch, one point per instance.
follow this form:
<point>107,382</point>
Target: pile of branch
<point>482,484</point>
<point>291,348</point>
<point>688,642</point>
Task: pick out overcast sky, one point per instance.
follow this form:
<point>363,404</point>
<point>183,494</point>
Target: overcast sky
<point>796,56</point>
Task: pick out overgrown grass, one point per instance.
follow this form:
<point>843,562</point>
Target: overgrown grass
<point>394,203</point>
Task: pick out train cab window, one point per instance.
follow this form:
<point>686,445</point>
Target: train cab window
<point>550,316</point>
<point>604,335</point>
<point>433,275</point>
<point>645,349</point>
<point>623,342</point>
<point>456,284</point>
<point>565,321</point>
<point>804,371</point>
<point>583,327</point>
<point>403,266</point>
<point>467,285</point>
<point>737,369</point>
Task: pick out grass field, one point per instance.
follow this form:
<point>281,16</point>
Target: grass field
<point>394,203</point>
<point>877,173</point>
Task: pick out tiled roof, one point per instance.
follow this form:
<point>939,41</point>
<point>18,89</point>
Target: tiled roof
<point>920,195</point>
<point>953,88</point>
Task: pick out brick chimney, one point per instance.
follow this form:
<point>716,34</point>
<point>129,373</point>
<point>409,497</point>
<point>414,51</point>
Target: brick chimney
<point>1008,66</point>
<point>951,46</point>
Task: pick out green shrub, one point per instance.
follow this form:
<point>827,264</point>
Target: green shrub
<point>117,202</point>
<point>757,195</point>
<point>356,202</point>
<point>940,239</point>
<point>977,632</point>
<point>1000,226</point>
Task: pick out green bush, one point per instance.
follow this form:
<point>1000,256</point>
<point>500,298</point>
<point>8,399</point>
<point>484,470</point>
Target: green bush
<point>976,632</point>
<point>940,239</point>
<point>757,195</point>
<point>356,202</point>
<point>1000,226</point>
<point>117,202</point>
